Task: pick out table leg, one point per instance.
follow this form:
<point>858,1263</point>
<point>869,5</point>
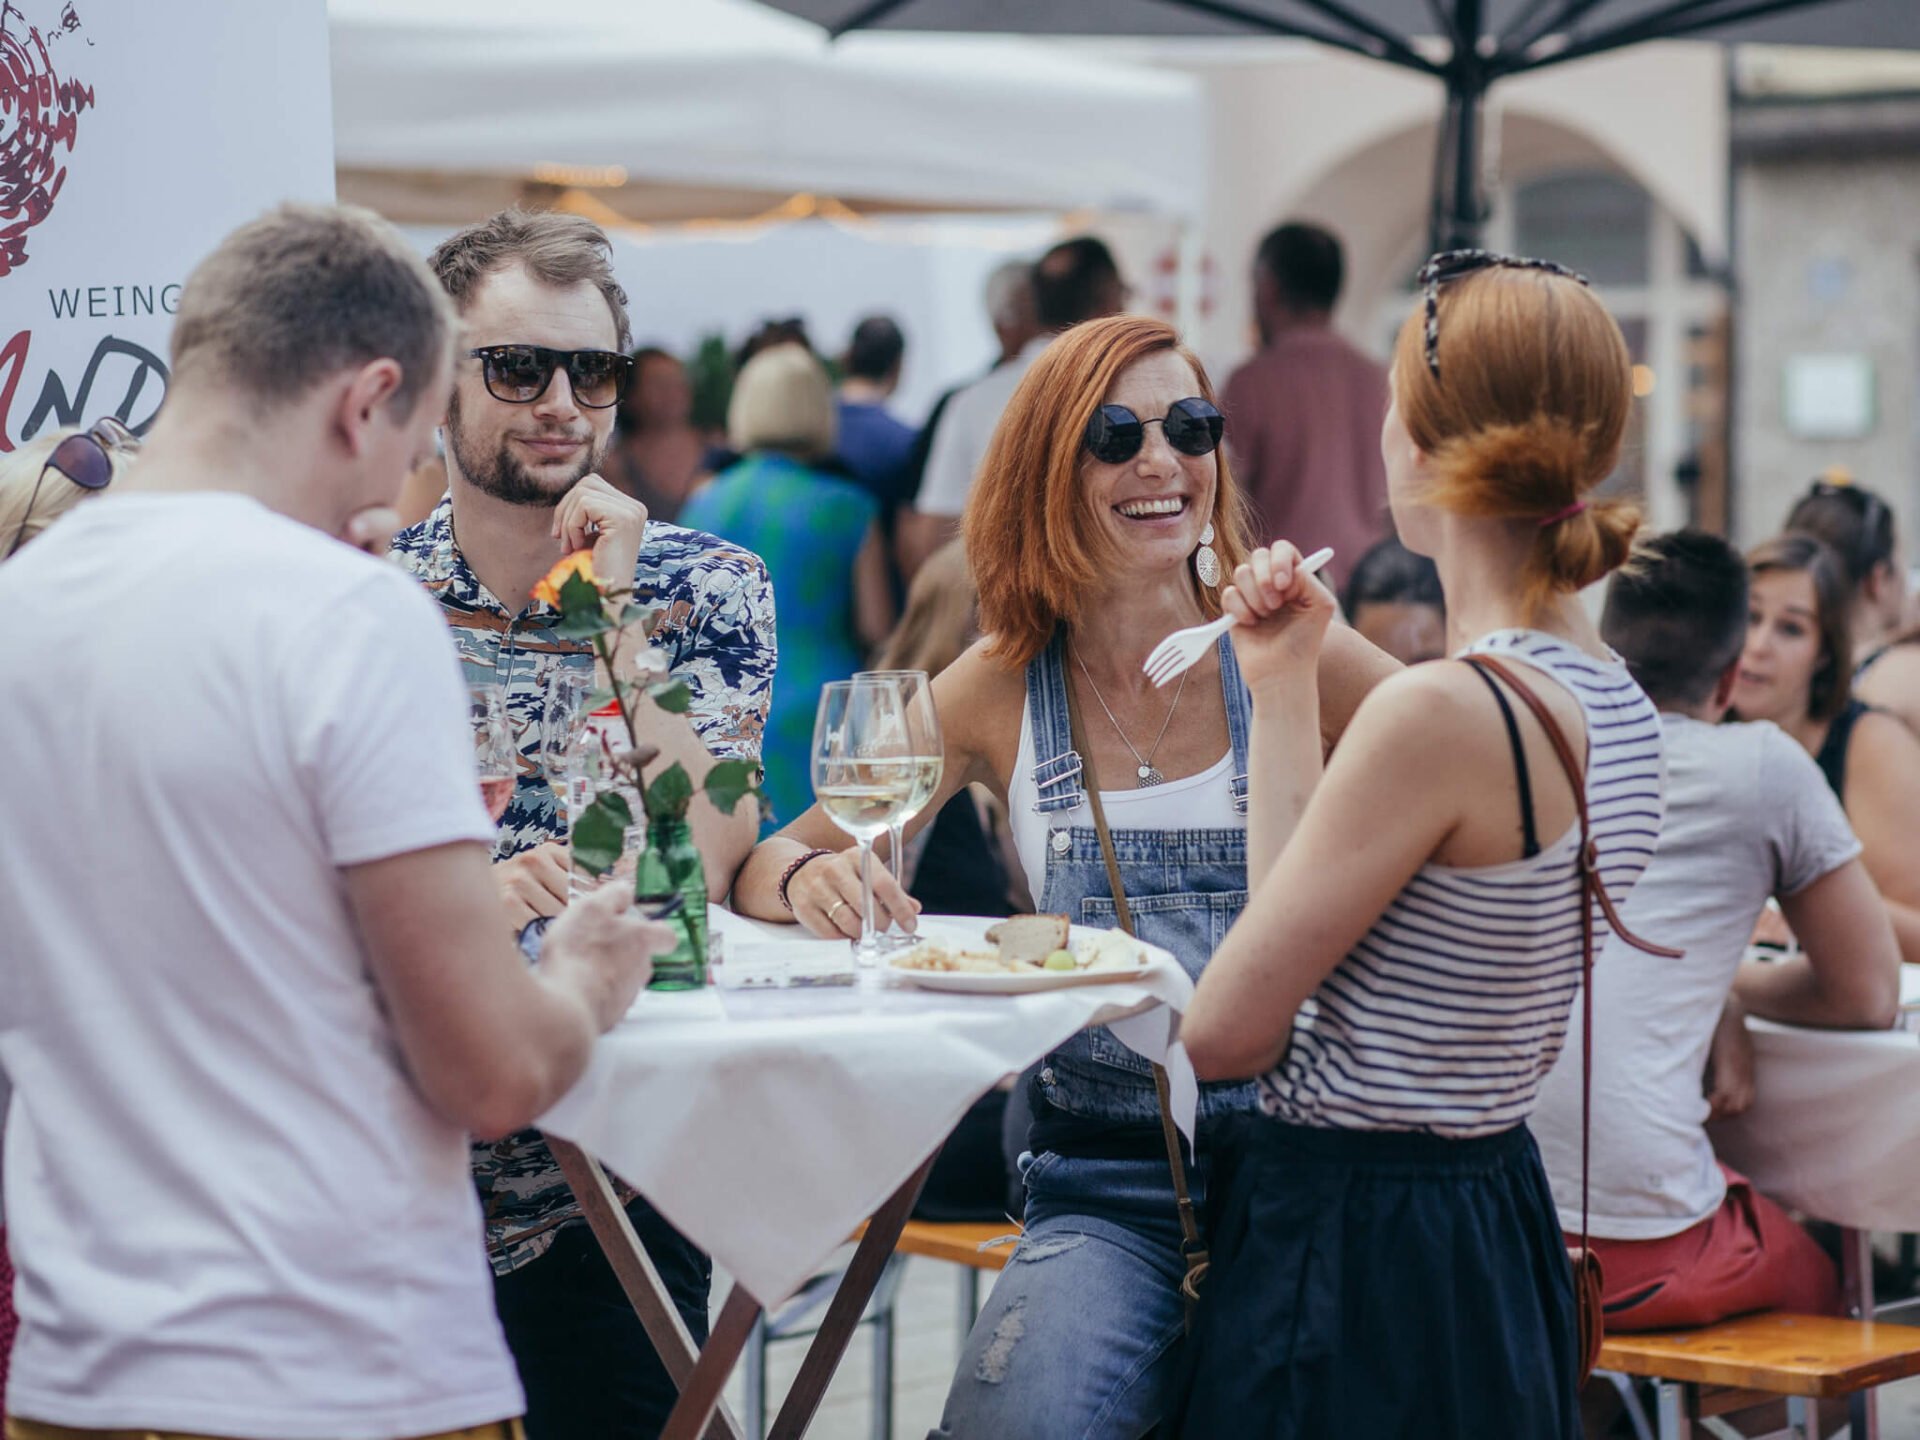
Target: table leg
<point>699,1399</point>
<point>849,1303</point>
<point>645,1291</point>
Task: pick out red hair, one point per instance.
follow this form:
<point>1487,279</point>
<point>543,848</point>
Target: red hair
<point>1529,417</point>
<point>1034,543</point>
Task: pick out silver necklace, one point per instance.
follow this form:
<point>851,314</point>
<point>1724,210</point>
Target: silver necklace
<point>1148,775</point>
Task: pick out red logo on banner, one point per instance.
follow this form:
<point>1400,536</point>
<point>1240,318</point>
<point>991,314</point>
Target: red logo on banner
<point>39,116</point>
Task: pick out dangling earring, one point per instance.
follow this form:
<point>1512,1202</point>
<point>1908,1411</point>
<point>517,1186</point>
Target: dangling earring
<point>1206,564</point>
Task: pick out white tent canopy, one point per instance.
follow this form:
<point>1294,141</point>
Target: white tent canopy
<point>727,94</point>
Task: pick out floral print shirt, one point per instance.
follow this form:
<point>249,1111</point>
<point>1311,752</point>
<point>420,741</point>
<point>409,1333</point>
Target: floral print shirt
<point>717,632</point>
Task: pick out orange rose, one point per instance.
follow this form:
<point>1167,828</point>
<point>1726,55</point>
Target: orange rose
<point>580,563</point>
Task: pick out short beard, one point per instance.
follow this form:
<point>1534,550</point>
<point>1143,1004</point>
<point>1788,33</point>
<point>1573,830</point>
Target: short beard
<point>502,476</point>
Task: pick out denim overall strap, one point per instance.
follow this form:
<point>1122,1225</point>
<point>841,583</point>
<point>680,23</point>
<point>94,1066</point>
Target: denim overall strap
<point>1057,768</point>
<point>1239,710</point>
<point>1185,887</point>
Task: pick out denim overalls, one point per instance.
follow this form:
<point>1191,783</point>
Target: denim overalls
<point>1078,1336</point>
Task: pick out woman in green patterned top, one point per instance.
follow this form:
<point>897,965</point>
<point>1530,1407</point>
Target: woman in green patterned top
<point>819,535</point>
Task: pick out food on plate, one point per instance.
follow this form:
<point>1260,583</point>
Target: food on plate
<point>1029,939</point>
<point>1025,944</point>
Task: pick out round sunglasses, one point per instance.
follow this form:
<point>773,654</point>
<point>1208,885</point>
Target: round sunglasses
<point>85,460</point>
<point>1192,426</point>
<point>520,374</point>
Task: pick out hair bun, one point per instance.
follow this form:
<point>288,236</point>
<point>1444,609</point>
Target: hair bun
<point>1504,471</point>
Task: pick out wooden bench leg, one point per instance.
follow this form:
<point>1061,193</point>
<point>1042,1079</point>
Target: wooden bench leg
<point>969,1301</point>
<point>1673,1408</point>
<point>1856,1282</point>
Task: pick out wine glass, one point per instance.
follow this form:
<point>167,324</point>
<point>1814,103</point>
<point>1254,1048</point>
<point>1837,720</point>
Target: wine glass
<point>863,764</point>
<point>929,760</point>
<point>495,760</point>
<point>561,727</point>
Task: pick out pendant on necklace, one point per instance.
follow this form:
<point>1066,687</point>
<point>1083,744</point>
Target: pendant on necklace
<point>1149,776</point>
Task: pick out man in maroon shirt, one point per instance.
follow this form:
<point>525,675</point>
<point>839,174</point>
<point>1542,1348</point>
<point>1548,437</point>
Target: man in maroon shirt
<point>1303,415</point>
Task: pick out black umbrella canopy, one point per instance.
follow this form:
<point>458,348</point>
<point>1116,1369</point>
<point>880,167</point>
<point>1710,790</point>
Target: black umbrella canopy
<point>1466,44</point>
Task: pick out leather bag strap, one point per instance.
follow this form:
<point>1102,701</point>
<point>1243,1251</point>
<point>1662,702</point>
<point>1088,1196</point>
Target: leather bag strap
<point>1591,889</point>
<point>1192,1249</point>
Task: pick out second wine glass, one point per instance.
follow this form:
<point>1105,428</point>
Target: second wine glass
<point>496,762</point>
<point>863,776</point>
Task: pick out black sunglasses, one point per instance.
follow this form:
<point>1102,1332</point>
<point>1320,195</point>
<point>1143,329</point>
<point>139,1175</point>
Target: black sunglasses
<point>1456,264</point>
<point>1192,426</point>
<point>84,459</point>
<point>520,374</point>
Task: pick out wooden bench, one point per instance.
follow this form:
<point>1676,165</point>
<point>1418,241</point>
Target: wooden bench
<point>959,1242</point>
<point>1737,1364</point>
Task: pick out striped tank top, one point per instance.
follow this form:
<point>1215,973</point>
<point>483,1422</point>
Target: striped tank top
<point>1450,1011</point>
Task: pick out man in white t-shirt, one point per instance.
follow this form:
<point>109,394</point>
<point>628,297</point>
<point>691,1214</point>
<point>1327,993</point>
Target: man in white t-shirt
<point>1683,1239</point>
<point>259,985</point>
<point>1074,281</point>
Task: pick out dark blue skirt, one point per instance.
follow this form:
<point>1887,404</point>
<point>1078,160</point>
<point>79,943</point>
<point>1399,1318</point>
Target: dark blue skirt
<point>1381,1285</point>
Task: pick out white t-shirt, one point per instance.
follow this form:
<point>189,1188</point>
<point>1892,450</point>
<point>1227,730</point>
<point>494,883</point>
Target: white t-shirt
<point>966,428</point>
<point>231,1211</point>
<point>1748,816</point>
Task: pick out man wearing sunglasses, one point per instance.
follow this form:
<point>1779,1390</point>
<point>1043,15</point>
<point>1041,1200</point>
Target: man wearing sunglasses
<point>537,382</point>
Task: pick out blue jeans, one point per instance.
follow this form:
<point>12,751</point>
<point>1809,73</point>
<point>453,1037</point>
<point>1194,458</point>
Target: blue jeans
<point>1080,1337</point>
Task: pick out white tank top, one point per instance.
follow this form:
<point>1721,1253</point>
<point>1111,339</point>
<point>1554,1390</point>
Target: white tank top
<point>1196,802</point>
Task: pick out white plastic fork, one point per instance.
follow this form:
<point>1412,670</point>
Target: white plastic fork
<point>1179,652</point>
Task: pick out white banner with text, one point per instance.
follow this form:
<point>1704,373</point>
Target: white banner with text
<point>133,136</point>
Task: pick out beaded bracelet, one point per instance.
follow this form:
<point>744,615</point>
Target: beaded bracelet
<point>793,868</point>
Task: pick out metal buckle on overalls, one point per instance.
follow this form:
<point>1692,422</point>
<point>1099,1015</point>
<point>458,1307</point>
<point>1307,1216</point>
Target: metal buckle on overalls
<point>1062,770</point>
<point>1239,787</point>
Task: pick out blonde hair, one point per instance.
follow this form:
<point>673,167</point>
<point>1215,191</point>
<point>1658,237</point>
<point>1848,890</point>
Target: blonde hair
<point>1035,546</point>
<point>1528,418</point>
<point>939,622</point>
<point>21,470</point>
<point>783,401</point>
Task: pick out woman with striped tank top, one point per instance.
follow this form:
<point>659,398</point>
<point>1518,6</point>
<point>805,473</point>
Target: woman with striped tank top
<point>1386,1255</point>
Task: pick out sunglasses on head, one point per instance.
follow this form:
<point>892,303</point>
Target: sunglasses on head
<point>1871,509</point>
<point>85,460</point>
<point>520,374</point>
<point>1192,426</point>
<point>1456,265</point>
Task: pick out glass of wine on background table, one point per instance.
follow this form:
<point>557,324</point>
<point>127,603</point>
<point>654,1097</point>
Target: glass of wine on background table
<point>864,776</point>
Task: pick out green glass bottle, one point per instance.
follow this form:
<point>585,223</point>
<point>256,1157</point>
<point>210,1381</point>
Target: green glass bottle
<point>670,865</point>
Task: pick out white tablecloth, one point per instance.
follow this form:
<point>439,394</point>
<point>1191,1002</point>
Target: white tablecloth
<point>766,1124</point>
<point>1834,1128</point>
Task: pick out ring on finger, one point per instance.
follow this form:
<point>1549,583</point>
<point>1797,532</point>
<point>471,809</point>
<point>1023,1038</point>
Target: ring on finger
<point>834,908</point>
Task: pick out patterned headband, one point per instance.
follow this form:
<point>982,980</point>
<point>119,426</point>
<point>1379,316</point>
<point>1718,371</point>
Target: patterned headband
<point>1452,265</point>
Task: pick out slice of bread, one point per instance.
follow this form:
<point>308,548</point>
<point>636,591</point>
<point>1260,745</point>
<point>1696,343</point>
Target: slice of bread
<point>1029,939</point>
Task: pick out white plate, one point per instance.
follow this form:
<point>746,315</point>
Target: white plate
<point>1027,982</point>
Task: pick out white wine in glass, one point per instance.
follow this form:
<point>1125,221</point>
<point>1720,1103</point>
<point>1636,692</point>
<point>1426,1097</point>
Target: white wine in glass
<point>929,760</point>
<point>864,774</point>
